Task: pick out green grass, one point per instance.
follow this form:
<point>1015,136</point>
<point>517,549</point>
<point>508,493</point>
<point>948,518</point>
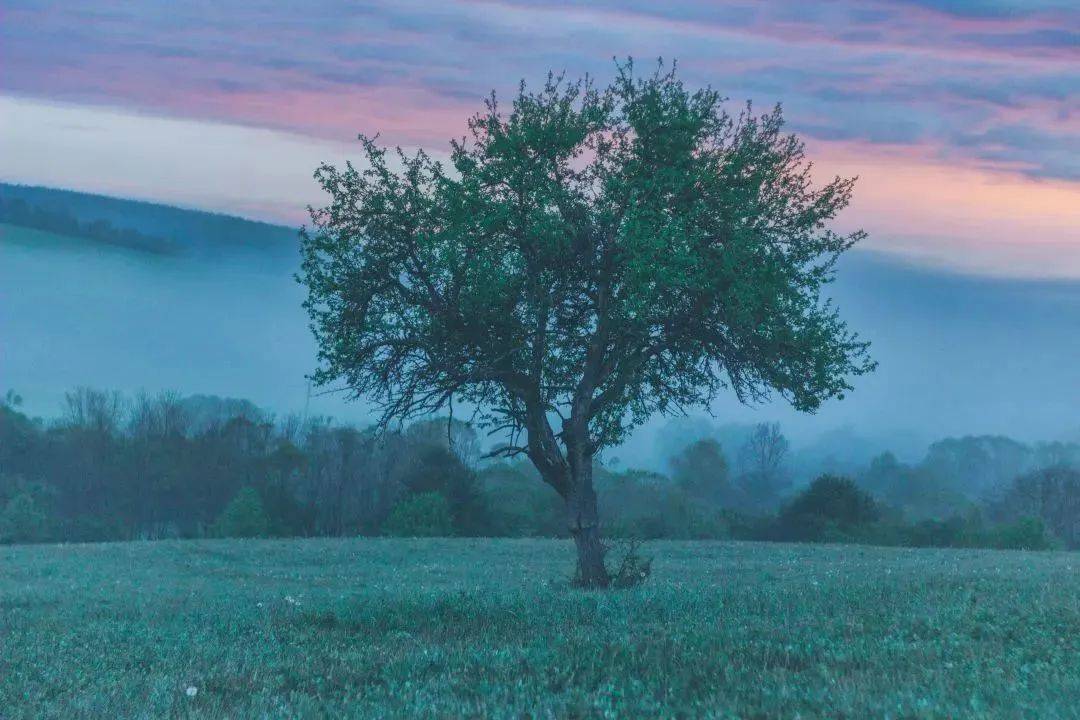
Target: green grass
<point>372,628</point>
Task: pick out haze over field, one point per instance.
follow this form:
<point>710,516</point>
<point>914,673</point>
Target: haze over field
<point>960,354</point>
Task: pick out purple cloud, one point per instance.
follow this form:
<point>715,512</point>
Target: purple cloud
<point>992,82</point>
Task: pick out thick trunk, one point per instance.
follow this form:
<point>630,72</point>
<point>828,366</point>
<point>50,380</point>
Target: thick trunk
<point>584,523</point>
<point>571,476</point>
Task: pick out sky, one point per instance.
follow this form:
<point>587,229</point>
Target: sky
<point>961,119</point>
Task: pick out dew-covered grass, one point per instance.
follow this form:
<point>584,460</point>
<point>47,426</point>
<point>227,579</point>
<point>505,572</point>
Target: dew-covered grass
<point>372,628</point>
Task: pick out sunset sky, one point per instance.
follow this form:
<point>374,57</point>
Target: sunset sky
<point>962,119</point>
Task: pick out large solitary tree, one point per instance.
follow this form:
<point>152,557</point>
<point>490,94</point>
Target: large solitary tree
<point>591,256</point>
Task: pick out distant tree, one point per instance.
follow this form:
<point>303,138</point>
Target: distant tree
<point>1057,454</point>
<point>881,476</point>
<point>762,458</point>
<point>594,256</point>
<point>207,412</point>
<point>345,479</point>
<point>22,520</point>
<point>829,503</point>
<point>1051,496</point>
<point>458,437</point>
<point>702,471</point>
<point>159,416</point>
<point>978,465</point>
<point>916,491</point>
<point>434,468</point>
<point>244,516</point>
<point>422,515</point>
<point>93,410</point>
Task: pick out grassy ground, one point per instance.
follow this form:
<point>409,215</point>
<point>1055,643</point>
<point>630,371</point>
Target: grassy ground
<point>457,628</point>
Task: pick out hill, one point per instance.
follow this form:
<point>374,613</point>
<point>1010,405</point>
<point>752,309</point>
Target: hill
<point>489,628</point>
<point>959,354</point>
<point>148,226</point>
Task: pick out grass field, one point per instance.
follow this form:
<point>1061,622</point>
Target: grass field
<point>372,628</point>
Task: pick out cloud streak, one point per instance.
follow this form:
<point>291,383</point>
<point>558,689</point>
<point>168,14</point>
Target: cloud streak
<point>992,87</point>
<point>915,72</point>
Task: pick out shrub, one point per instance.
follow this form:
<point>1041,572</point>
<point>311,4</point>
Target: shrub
<point>244,516</point>
<point>1052,495</point>
<point>437,470</point>
<point>1024,534</point>
<point>21,520</point>
<point>420,515</point>
<point>701,470</point>
<point>632,568</point>
<point>520,505</point>
<point>831,509</point>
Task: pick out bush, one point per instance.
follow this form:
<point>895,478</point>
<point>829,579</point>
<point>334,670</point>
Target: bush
<point>1052,496</point>
<point>831,509</point>
<point>244,516</point>
<point>632,568</point>
<point>648,506</point>
<point>420,515</point>
<point>22,521</point>
<point>1024,534</point>
<point>520,504</point>
<point>437,470</point>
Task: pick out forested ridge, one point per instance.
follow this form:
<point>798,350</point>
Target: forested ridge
<point>143,226</point>
<point>159,466</point>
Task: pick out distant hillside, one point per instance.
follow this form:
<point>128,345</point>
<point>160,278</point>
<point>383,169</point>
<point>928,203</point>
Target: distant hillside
<point>960,354</point>
<point>161,229</point>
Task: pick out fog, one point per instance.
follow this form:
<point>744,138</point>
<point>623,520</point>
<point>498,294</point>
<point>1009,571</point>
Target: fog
<point>958,354</point>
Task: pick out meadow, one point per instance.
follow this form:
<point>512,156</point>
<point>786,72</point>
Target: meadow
<point>373,628</point>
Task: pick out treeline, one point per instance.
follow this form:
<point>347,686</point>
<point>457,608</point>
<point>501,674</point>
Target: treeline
<point>19,212</point>
<point>162,466</point>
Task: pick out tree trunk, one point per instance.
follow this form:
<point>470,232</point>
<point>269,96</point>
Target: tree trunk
<point>584,522</point>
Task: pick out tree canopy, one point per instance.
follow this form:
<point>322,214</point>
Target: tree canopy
<point>588,257</point>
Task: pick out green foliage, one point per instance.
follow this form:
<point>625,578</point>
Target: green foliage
<point>432,469</point>
<point>922,494</point>
<point>831,509</point>
<point>597,254</point>
<point>702,471</point>
<point>22,520</point>
<point>1024,534</point>
<point>519,505</point>
<point>835,498</point>
<point>630,567</point>
<point>648,506</point>
<point>425,514</point>
<point>243,517</point>
<point>386,628</point>
<point>1052,496</point>
<point>166,466</point>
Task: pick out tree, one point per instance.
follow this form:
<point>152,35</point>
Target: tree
<point>701,469</point>
<point>978,465</point>
<point>424,514</point>
<point>762,458</point>
<point>22,520</point>
<point>1051,496</point>
<point>592,256</point>
<point>244,516</point>
<point>829,503</point>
